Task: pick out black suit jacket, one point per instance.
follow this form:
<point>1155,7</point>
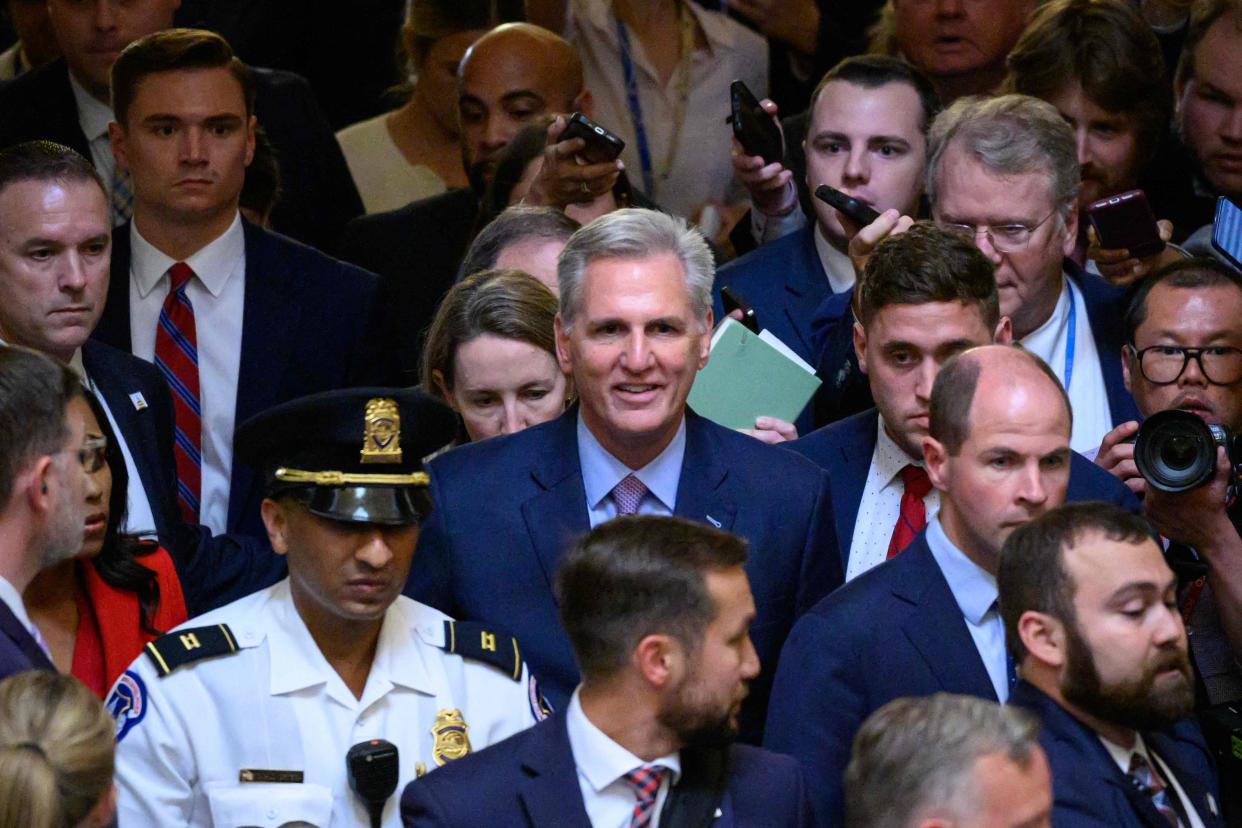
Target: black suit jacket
<point>530,779</point>
<point>309,325</point>
<point>318,193</point>
<point>18,649</point>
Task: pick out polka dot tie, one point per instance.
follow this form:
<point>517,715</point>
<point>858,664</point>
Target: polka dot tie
<point>645,782</point>
<point>628,494</point>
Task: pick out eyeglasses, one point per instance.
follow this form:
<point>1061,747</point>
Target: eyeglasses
<point>1004,238</point>
<point>1165,364</point>
<point>93,455</point>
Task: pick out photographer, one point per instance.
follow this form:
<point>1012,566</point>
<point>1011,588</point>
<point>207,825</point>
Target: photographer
<point>1184,351</point>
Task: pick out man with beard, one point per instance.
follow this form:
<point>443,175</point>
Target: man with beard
<point>657,610</point>
<point>1091,619</point>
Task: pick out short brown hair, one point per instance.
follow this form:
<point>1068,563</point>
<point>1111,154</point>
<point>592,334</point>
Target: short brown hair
<point>875,71</point>
<point>35,392</point>
<point>1107,48</point>
<point>171,50</point>
<point>1203,15</point>
<point>927,264</point>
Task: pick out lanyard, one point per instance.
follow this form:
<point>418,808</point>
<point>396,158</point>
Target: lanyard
<point>636,110</point>
<point>1070,336</point>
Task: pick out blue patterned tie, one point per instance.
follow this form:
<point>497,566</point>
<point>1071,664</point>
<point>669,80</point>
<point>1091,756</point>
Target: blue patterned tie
<point>645,782</point>
<point>1149,782</point>
<point>122,196</point>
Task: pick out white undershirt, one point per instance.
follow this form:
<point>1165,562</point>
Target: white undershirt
<point>880,506</point>
<point>1087,394</point>
<point>218,294</point>
<point>836,264</point>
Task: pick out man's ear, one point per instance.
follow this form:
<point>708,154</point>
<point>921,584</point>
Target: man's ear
<point>250,127</point>
<point>935,459</point>
<point>584,102</point>
<point>705,339</point>
<point>1126,352</point>
<point>1004,332</point>
<point>41,482</point>
<point>116,137</point>
<point>1043,637</point>
<point>562,346</point>
<point>860,346</point>
<point>1071,229</point>
<point>658,659</point>
<point>277,523</point>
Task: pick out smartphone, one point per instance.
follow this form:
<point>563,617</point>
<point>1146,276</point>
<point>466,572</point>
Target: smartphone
<point>1227,234</point>
<point>755,129</point>
<point>860,213</point>
<point>601,145</point>
<point>1126,221</point>
<point>732,302</point>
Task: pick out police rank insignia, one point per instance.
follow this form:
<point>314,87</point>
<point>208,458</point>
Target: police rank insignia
<point>381,439</point>
<point>452,741</point>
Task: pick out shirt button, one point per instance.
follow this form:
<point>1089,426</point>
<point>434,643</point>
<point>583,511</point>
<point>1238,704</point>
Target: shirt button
<point>272,813</point>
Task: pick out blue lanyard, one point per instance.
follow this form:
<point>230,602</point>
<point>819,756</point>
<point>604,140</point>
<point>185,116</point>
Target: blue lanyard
<point>636,111</point>
<point>1069,338</point>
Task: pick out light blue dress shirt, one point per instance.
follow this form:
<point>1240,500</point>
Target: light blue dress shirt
<point>974,589</point>
<point>601,472</point>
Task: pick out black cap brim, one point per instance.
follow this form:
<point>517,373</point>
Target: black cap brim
<point>387,505</point>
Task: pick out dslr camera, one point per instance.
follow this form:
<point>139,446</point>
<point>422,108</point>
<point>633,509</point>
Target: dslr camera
<point>1175,451</point>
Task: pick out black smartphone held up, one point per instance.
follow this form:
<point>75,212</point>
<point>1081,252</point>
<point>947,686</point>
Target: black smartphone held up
<point>860,213</point>
<point>601,145</point>
<point>1227,233</point>
<point>755,129</point>
<point>732,302</point>
<point>1126,221</point>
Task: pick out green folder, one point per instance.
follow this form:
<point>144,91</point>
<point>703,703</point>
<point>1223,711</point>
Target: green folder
<point>749,376</point>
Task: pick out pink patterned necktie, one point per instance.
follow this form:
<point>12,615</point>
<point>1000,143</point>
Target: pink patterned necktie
<point>628,494</point>
<point>645,782</point>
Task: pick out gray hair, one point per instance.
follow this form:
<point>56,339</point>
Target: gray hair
<point>636,234</point>
<point>515,224</point>
<point>915,757</point>
<point>1009,135</point>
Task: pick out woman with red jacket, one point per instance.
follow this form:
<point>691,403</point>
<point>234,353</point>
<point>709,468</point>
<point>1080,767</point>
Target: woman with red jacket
<point>95,612</point>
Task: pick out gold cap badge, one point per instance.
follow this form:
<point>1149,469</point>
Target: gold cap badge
<point>381,441</point>
<point>452,741</point>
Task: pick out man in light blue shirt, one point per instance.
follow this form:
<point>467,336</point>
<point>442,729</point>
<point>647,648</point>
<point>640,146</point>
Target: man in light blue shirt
<point>926,620</point>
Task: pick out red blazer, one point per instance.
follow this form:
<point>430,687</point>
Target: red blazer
<point>110,634</point>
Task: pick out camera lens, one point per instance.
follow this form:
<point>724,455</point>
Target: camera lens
<point>1178,453</point>
<point>1175,451</point>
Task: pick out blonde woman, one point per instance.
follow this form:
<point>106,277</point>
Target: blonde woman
<point>56,754</point>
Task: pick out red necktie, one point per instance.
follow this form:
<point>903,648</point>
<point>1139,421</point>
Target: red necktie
<point>645,782</point>
<point>176,355</point>
<point>913,515</point>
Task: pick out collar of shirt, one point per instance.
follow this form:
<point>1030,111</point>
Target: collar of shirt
<point>212,264</point>
<point>601,472</point>
<point>973,587</point>
<point>13,599</point>
<point>598,758</point>
<point>714,25</point>
<point>93,114</point>
<point>297,663</point>
<point>889,458</point>
<point>1048,340</point>
<point>836,264</point>
<point>1122,755</point>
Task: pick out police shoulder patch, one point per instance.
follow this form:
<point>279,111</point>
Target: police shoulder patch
<point>127,703</point>
<point>477,642</point>
<point>176,649</point>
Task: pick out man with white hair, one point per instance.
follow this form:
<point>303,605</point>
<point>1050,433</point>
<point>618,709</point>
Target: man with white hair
<point>633,330</point>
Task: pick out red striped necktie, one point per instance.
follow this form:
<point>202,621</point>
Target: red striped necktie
<point>913,515</point>
<point>176,355</point>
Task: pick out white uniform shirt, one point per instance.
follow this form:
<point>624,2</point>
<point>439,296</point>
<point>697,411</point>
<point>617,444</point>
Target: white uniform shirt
<point>277,705</point>
<point>218,294</point>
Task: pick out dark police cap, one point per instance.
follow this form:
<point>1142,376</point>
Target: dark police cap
<point>354,454</point>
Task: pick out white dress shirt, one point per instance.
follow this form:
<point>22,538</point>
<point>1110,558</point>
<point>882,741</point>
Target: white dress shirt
<point>94,116</point>
<point>218,294</point>
<point>701,170</point>
<point>602,765</point>
<point>836,264</point>
<point>278,705</point>
<point>1122,757</point>
<point>601,472</point>
<point>881,504</point>
<point>1087,394</point>
<point>974,590</point>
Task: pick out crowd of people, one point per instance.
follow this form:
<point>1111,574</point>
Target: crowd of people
<point>347,473</point>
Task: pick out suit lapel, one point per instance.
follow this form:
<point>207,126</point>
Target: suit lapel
<point>806,286</point>
<point>701,492</point>
<point>269,324</point>
<point>937,629</point>
<point>551,795</point>
<point>558,512</point>
<point>850,479</point>
<point>22,639</point>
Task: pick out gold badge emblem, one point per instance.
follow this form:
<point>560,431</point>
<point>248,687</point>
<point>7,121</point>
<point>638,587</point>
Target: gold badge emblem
<point>381,441</point>
<point>452,741</point>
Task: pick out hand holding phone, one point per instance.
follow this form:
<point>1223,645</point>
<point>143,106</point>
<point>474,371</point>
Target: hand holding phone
<point>601,145</point>
<point>1126,222</point>
<point>754,128</point>
<point>859,213</point>
<point>733,302</point>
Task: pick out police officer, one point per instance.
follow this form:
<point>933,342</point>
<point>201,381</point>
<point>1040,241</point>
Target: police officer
<point>244,716</point>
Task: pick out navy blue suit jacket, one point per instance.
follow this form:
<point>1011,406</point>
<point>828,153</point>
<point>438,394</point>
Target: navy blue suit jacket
<point>837,364</point>
<point>318,195</point>
<point>309,325</point>
<point>893,631</point>
<point>844,449</point>
<point>784,281</point>
<point>530,779</point>
<point>1088,788</point>
<point>18,649</point>
<point>506,510</point>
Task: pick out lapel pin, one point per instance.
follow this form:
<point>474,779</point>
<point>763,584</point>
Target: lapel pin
<point>713,521</point>
<point>139,401</point>
<point>719,813</point>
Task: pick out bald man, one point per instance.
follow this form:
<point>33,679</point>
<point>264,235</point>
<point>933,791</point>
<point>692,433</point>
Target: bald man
<point>511,75</point>
<point>926,621</point>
